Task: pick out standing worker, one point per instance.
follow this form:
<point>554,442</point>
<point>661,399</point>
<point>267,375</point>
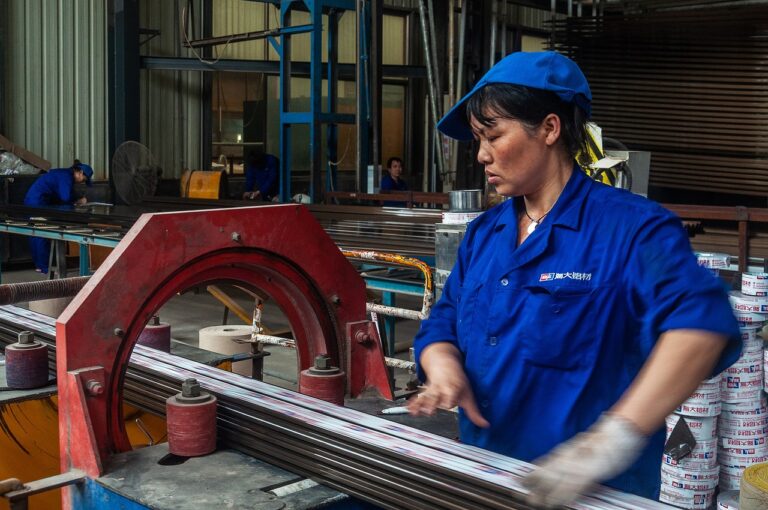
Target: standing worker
<point>55,188</point>
<point>261,172</point>
<point>576,317</point>
<point>392,181</point>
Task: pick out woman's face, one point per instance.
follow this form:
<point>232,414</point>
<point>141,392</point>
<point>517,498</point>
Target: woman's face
<point>396,169</point>
<point>515,157</point>
<point>79,176</point>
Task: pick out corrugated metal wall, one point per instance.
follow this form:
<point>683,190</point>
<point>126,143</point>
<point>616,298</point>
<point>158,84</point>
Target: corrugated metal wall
<point>171,101</point>
<point>56,79</point>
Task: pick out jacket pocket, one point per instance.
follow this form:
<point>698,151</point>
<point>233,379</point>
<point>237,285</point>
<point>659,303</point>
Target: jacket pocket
<point>560,325</point>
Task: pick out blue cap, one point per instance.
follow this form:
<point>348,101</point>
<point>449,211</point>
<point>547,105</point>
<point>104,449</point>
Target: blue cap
<point>546,70</point>
<point>87,171</point>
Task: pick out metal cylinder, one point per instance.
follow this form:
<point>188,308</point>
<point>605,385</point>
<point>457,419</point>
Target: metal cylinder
<point>323,381</point>
<point>156,335</point>
<point>46,289</point>
<point>26,363</point>
<point>467,200</point>
<point>191,417</point>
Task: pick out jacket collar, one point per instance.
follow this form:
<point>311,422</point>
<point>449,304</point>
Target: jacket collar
<point>567,213</point>
<point>567,210</point>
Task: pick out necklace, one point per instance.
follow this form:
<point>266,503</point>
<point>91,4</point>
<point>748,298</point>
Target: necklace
<point>534,223</point>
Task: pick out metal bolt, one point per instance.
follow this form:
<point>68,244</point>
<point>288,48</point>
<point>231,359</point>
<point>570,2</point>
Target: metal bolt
<point>118,332</point>
<point>362,337</point>
<point>236,237</point>
<point>335,299</point>
<point>322,362</point>
<point>190,388</point>
<point>94,387</point>
<point>155,321</point>
<point>26,337</point>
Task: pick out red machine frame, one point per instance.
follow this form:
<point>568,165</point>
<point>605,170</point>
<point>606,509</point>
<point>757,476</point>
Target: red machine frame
<point>279,250</point>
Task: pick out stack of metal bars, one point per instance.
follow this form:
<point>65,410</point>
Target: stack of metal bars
<point>390,465</point>
<point>686,84</point>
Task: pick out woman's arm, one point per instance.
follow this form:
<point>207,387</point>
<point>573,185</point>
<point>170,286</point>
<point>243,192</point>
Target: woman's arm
<point>678,363</point>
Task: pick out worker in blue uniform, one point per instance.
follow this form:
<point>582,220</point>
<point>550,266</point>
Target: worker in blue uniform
<point>576,317</point>
<point>55,188</point>
<point>392,181</point>
<point>261,173</point>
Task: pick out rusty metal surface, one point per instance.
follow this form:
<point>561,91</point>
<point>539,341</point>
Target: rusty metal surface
<point>11,293</point>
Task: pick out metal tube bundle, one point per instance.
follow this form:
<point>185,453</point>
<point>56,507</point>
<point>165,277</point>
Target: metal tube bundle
<point>391,465</point>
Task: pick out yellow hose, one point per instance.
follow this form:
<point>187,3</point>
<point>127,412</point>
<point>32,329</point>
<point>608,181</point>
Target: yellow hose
<point>754,488</point>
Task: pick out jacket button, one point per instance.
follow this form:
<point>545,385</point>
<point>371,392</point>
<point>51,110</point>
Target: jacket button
<point>484,403</point>
<point>555,308</point>
<point>504,282</point>
<point>492,340</point>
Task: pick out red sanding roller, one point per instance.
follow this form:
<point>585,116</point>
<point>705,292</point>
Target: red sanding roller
<point>156,335</point>
<point>26,363</point>
<point>323,381</point>
<point>191,417</point>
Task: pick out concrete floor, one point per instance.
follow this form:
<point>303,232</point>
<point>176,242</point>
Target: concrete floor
<point>192,311</point>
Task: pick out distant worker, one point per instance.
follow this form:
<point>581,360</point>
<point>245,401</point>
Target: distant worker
<point>391,182</point>
<point>261,171</point>
<point>55,188</point>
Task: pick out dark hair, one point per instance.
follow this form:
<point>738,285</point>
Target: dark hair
<point>529,106</point>
<point>392,160</point>
<point>256,158</point>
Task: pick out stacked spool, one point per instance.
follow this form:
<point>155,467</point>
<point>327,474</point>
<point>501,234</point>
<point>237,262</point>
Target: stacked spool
<point>714,261</point>
<point>691,482</point>
<point>728,500</point>
<point>743,422</point>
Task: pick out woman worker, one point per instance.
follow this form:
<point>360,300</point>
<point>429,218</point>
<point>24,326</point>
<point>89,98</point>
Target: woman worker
<point>56,187</point>
<point>576,317</point>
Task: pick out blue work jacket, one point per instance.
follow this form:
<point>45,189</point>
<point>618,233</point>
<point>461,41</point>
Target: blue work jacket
<point>263,178</point>
<point>554,331</point>
<point>389,184</point>
<point>52,188</point>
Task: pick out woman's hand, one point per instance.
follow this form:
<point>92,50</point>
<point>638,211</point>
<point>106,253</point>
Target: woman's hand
<point>81,201</point>
<point>447,385</point>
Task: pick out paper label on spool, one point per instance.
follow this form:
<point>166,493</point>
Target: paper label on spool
<point>755,409</point>
<point>683,498</point>
<point>692,485</point>
<point>703,429</point>
<point>746,382</point>
<point>701,410</point>
<point>754,284</point>
<point>713,260</point>
<point>693,462</point>
<point>746,303</point>
<point>728,500</point>
<point>707,475</point>
<point>739,461</point>
<point>743,442</point>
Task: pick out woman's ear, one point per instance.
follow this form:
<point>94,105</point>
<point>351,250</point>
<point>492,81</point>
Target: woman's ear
<point>551,128</point>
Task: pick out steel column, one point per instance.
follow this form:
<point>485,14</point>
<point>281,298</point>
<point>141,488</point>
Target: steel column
<point>124,72</point>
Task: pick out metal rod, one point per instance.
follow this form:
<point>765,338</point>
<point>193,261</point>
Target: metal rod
<point>34,291</point>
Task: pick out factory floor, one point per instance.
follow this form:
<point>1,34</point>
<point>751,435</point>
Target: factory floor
<point>189,313</point>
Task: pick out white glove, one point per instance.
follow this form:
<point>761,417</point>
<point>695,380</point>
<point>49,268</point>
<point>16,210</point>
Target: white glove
<point>600,453</point>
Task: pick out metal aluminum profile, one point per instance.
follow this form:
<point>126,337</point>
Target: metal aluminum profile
<point>389,464</point>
